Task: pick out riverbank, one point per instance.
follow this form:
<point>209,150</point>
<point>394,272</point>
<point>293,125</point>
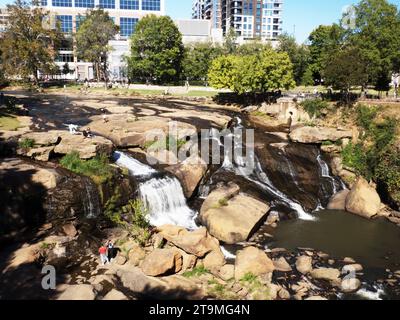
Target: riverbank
<point>241,210</point>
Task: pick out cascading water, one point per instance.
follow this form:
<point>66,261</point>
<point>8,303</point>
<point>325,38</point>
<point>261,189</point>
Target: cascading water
<point>258,176</point>
<point>163,195</point>
<point>91,200</point>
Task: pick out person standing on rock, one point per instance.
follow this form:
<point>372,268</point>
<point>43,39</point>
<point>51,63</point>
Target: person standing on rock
<point>290,121</point>
<point>104,112</point>
<point>103,255</point>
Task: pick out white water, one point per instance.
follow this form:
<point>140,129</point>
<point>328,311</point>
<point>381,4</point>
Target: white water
<point>371,295</point>
<point>163,196</point>
<point>135,167</point>
<point>259,177</point>
<point>166,203</point>
<point>326,174</point>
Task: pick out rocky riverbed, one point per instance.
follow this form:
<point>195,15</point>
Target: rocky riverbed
<point>236,221</point>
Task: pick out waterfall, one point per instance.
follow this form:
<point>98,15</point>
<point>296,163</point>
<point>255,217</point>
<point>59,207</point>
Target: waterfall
<point>162,195</point>
<point>260,178</point>
<point>325,173</point>
<point>91,201</point>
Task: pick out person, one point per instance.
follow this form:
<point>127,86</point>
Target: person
<point>87,133</point>
<point>104,112</point>
<point>290,121</point>
<point>103,255</point>
<point>110,250</point>
<point>73,129</point>
<point>187,85</point>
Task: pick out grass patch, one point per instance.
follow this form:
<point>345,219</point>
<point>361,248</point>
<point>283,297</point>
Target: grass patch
<point>167,143</point>
<point>9,123</point>
<point>98,168</point>
<point>26,143</point>
<point>196,272</point>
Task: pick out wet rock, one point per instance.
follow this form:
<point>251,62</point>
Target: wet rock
<point>363,199</point>
<point>232,217</point>
<point>338,201</point>
<point>318,134</point>
<point>162,261</point>
<point>304,264</point>
<point>189,173</point>
<point>282,265</point>
<point>115,295</point>
<point>254,261</point>
<point>350,285</point>
<point>78,292</point>
<point>352,268</point>
<point>328,274</point>
<point>198,242</point>
<point>349,260</point>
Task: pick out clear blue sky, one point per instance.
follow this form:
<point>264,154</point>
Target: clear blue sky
<point>305,15</point>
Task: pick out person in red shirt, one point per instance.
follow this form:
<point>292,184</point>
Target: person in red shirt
<point>103,255</point>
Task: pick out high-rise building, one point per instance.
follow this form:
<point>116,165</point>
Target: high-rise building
<point>125,13</point>
<point>251,19</point>
<point>3,20</point>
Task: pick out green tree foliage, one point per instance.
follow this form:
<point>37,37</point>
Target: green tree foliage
<point>252,47</point>
<point>92,40</point>
<point>198,58</point>
<point>66,69</point>
<point>300,57</point>
<point>257,73</point>
<point>29,45</point>
<point>346,69</point>
<point>377,25</point>
<point>157,51</point>
<point>323,41</point>
<point>230,41</point>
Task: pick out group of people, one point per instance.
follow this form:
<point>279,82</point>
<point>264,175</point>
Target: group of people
<point>107,253</point>
<point>73,129</point>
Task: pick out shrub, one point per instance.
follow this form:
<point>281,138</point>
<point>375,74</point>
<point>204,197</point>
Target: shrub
<point>26,143</point>
<point>132,217</point>
<point>98,168</point>
<point>314,107</point>
<point>365,116</point>
<point>354,156</point>
<point>388,171</point>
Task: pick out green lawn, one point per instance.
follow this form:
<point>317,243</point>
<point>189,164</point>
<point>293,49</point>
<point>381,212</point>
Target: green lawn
<point>9,123</point>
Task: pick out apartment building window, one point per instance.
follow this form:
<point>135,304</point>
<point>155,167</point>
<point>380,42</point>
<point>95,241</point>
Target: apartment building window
<point>43,3</point>
<point>151,5</point>
<point>62,3</point>
<point>127,26</point>
<point>78,21</point>
<point>84,3</point>
<point>66,23</point>
<point>65,57</point>
<point>107,4</point>
<point>129,4</point>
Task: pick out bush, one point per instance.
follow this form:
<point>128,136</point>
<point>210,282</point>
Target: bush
<point>388,171</point>
<point>132,217</point>
<point>98,168</point>
<point>314,107</point>
<point>26,143</point>
<point>354,156</point>
<point>366,116</point>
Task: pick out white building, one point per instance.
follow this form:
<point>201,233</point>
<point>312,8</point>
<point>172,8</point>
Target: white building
<point>125,13</point>
<point>3,19</point>
<point>199,31</point>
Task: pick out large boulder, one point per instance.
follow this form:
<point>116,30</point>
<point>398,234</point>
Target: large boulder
<point>189,173</point>
<point>318,134</point>
<point>115,295</point>
<point>338,200</point>
<point>162,261</point>
<point>363,199</point>
<point>230,216</point>
<point>328,274</point>
<point>78,292</point>
<point>254,261</point>
<point>198,242</point>
<point>86,147</point>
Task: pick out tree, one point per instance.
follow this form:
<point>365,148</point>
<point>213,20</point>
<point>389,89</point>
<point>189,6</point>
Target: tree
<point>29,46</point>
<point>252,47</point>
<point>298,54</point>
<point>323,41</point>
<point>230,41</point>
<point>377,24</point>
<point>66,69</point>
<point>198,58</point>
<point>92,40</point>
<point>156,50</point>
<point>257,73</point>
<point>346,69</point>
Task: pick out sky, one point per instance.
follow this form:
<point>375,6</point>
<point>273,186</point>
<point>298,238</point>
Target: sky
<point>300,17</point>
